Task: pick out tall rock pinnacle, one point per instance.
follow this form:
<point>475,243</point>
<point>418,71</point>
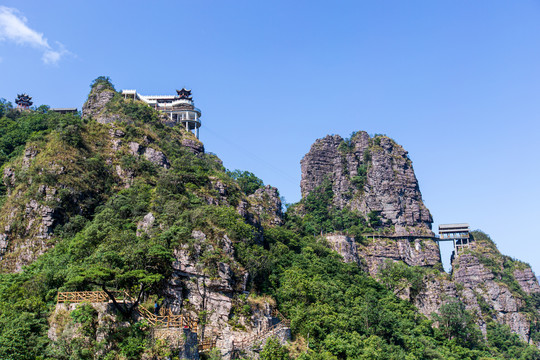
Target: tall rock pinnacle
<point>368,175</point>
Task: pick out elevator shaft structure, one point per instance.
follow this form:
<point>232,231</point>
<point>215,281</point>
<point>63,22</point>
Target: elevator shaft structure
<point>458,233</point>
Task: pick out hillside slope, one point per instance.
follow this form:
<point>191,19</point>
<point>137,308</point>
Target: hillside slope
<point>121,201</point>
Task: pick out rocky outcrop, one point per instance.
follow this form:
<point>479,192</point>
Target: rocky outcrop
<point>344,246</point>
<point>262,208</point>
<point>413,252</point>
<point>527,281</point>
<point>194,145</point>
<point>195,288</point>
<point>436,290</point>
<point>61,324</point>
<point>42,213</point>
<point>484,290</point>
<point>368,175</point>
<point>182,342</point>
<point>374,252</point>
<point>203,289</point>
<point>38,222</point>
<point>63,330</point>
<point>95,106</point>
<point>156,157</point>
<point>488,296</point>
<point>144,226</point>
<point>9,179</point>
<point>266,204</point>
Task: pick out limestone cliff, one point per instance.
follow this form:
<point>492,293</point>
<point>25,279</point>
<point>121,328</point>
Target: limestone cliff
<point>497,287</point>
<point>69,173</point>
<point>137,201</point>
<point>65,177</point>
<point>368,175</point>
<point>373,252</point>
<point>492,286</point>
<point>375,174</point>
<point>220,294</point>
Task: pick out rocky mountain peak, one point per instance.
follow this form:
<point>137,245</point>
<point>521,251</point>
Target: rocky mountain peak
<point>368,174</point>
<point>95,105</point>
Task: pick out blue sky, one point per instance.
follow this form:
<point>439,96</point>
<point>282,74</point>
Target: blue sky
<point>457,83</point>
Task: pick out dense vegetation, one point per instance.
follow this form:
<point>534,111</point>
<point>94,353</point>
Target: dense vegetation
<point>336,307</point>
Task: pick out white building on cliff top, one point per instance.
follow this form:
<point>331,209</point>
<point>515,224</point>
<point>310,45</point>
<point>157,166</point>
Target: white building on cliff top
<point>180,107</point>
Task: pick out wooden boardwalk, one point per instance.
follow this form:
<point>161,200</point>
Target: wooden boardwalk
<point>258,340</point>
<point>164,319</point>
<point>404,236</point>
<point>207,344</point>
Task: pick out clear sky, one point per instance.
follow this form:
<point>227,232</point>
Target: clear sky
<point>457,83</point>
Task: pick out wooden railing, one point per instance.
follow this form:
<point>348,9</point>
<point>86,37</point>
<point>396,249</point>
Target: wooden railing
<point>207,344</point>
<point>252,340</point>
<point>167,319</point>
<point>283,319</point>
<point>82,296</point>
<point>401,236</point>
<point>164,319</point>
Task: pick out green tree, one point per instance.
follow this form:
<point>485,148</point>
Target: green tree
<point>5,106</point>
<point>457,323</point>
<point>104,81</point>
<point>248,182</point>
<point>273,350</point>
<point>398,277</point>
<point>374,219</point>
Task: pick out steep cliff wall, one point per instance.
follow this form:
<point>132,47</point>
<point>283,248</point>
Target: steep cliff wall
<point>368,175</point>
<point>494,287</point>
<point>119,200</point>
<point>373,252</point>
<point>66,179</point>
<point>497,287</point>
<point>69,172</point>
<point>375,174</point>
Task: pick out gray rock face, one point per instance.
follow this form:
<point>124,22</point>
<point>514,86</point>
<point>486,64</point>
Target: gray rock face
<point>527,280</point>
<point>195,146</point>
<point>94,107</point>
<point>3,243</point>
<point>192,289</point>
<point>436,290</point>
<point>189,349</point>
<point>480,285</point>
<point>40,220</point>
<point>29,154</point>
<point>375,252</point>
<point>45,215</point>
<point>9,179</point>
<point>61,326</point>
<point>418,252</point>
<point>262,208</point>
<point>116,138</point>
<point>390,186</point>
<point>154,156</point>
<point>145,224</point>
<point>345,246</point>
<point>471,282</point>
<point>265,202</point>
<point>469,272</point>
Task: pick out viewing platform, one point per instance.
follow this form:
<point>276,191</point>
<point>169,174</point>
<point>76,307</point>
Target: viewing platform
<point>179,108</point>
<point>458,233</point>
